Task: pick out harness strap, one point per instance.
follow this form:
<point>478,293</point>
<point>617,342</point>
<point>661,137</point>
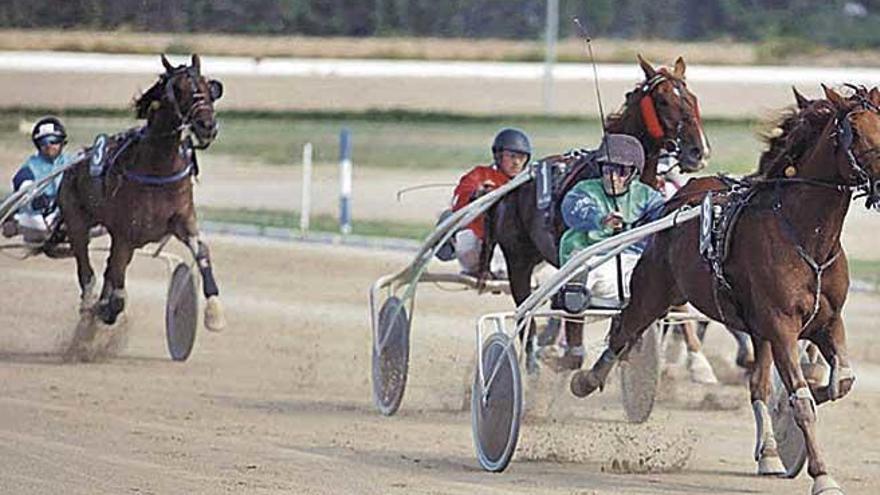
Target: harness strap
<point>159,180</point>
<point>817,268</point>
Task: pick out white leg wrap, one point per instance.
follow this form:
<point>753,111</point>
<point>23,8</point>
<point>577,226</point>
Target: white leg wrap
<point>838,374</point>
<point>766,453</point>
<point>763,426</point>
<point>802,393</point>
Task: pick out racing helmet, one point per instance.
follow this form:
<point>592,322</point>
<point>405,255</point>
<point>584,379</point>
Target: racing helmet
<point>512,139</point>
<point>623,155</point>
<point>48,129</point>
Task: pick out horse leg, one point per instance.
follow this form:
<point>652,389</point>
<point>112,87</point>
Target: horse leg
<point>519,273</point>
<point>699,369</point>
<point>215,319</point>
<point>113,293</point>
<point>745,355</point>
<point>574,352</point>
<point>651,299</point>
<point>832,345</point>
<point>79,244</point>
<point>766,450</point>
<point>787,358</point>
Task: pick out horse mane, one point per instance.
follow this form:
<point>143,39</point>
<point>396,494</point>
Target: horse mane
<point>797,130</point>
<point>154,93</point>
<point>616,120</point>
<point>794,133</point>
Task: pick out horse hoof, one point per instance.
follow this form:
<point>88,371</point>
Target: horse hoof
<point>583,383</point>
<point>106,315</point>
<point>825,485</point>
<point>771,465</point>
<point>108,311</point>
<point>699,369</point>
<point>215,318</point>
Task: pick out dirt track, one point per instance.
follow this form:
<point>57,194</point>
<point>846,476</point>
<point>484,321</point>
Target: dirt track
<point>280,403</point>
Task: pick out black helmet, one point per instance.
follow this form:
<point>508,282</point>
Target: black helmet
<point>511,139</point>
<point>48,127</point>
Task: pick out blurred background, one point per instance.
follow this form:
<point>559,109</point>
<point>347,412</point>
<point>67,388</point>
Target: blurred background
<point>421,86</point>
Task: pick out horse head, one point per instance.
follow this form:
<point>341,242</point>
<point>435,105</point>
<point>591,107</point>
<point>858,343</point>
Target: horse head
<point>183,99</point>
<point>857,133</point>
<point>670,115</point>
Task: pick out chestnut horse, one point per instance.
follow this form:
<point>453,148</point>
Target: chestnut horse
<point>663,114</point>
<point>144,192</point>
<point>785,276</point>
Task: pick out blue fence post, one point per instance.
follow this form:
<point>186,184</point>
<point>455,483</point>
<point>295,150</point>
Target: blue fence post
<point>345,167</point>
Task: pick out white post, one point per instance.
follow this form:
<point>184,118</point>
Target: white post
<point>345,181</point>
<point>551,33</point>
<point>306,209</point>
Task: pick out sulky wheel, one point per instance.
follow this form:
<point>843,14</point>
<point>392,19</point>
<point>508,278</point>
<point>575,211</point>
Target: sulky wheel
<point>181,312</point>
<point>640,375</point>
<point>496,406</point>
<point>390,356</point>
<point>789,437</point>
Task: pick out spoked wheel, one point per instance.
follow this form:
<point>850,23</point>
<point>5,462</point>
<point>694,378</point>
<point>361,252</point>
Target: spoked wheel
<point>640,375</point>
<point>789,437</point>
<point>181,312</point>
<point>390,356</point>
<point>496,404</point>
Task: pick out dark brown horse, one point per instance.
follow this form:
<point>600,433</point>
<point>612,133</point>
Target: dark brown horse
<point>138,185</point>
<point>663,114</point>
<point>785,276</point>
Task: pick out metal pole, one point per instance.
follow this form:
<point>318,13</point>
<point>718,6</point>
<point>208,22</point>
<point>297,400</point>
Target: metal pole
<point>306,209</point>
<point>345,167</point>
<point>551,34</point>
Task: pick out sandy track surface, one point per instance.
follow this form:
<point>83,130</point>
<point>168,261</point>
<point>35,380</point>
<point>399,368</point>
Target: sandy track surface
<point>280,403</point>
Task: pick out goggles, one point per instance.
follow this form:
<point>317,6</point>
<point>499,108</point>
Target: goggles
<point>46,140</point>
<point>609,168</point>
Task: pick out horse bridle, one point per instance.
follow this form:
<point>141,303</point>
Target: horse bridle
<point>200,100</point>
<point>866,184</point>
<point>670,148</point>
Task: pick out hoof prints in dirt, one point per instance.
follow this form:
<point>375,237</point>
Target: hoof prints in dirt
<point>615,448</point>
<point>95,341</point>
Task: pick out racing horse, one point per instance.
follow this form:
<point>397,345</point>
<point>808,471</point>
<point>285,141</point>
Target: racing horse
<point>138,185</point>
<point>662,113</point>
<point>785,275</point>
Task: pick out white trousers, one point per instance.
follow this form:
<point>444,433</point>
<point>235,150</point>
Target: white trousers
<point>602,281</point>
<point>467,250</point>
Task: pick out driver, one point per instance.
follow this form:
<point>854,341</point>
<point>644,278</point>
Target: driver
<point>511,151</point>
<point>596,209</point>
<point>34,219</point>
